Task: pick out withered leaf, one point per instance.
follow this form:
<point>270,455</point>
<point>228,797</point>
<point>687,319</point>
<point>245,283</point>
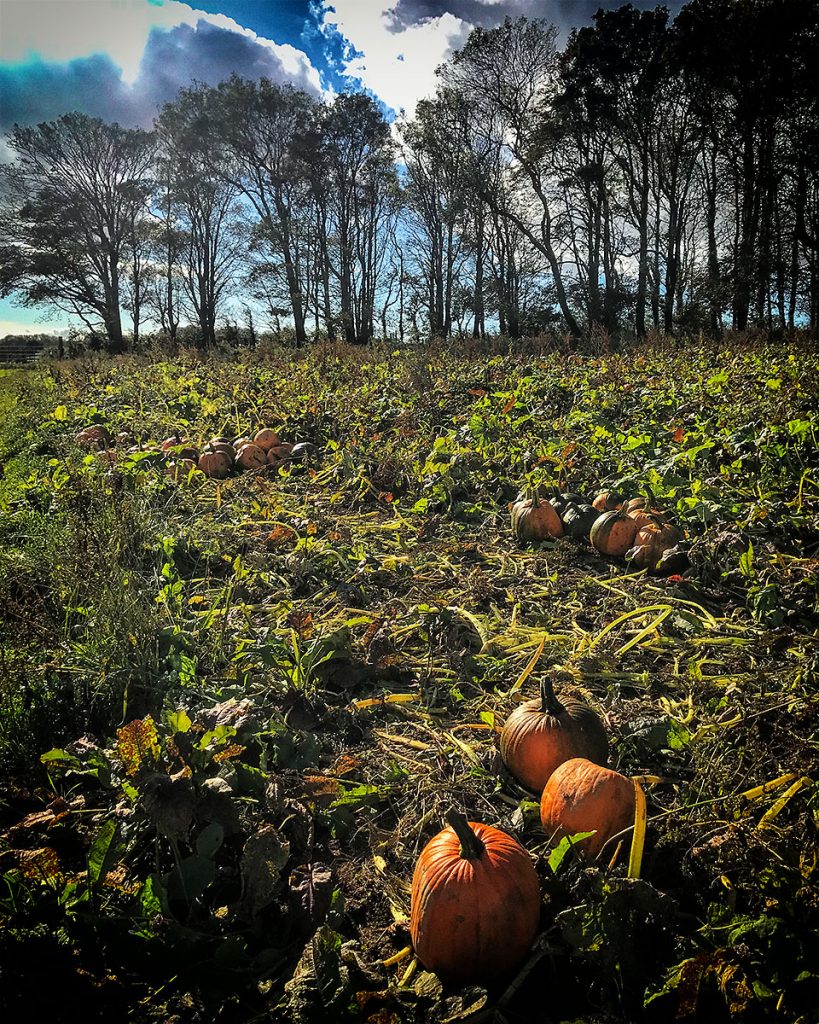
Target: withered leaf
<point>263,859</point>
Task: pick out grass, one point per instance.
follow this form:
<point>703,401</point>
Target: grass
<point>231,714</point>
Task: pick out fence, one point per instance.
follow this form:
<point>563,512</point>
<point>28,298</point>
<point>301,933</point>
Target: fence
<point>20,353</point>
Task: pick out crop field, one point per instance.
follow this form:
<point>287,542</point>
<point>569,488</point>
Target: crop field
<point>234,711</point>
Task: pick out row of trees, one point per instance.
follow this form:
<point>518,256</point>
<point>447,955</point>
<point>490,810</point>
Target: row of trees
<point>650,175</point>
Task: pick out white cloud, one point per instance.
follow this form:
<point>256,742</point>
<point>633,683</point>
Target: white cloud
<point>398,66</point>
<point>19,327</point>
<point>67,29</point>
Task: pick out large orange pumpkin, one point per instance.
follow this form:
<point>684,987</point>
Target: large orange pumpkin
<point>613,533</point>
<point>542,733</point>
<point>534,519</point>
<point>582,796</point>
<point>475,902</point>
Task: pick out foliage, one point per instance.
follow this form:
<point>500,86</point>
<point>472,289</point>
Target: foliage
<point>232,712</point>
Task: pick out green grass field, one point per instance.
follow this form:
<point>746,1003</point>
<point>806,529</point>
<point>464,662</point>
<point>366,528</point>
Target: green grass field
<point>233,712</point>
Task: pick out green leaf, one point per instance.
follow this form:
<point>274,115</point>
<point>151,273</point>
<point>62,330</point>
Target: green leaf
<point>563,847</point>
<point>178,721</point>
<point>103,852</point>
<point>210,840</point>
<point>746,561</point>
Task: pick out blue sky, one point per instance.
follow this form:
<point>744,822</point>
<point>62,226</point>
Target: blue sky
<point>121,59</point>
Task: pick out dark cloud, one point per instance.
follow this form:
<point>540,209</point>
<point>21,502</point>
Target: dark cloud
<point>566,14</point>
<point>40,90</point>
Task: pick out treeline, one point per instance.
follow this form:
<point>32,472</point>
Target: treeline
<point>650,176</point>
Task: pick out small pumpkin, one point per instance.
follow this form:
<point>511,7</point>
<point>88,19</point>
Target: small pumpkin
<point>581,796</point>
<point>535,519</point>
<point>222,446</point>
<point>578,521</point>
<point>608,501</point>
<point>174,441</point>
<point>215,465</point>
<point>266,439</point>
<point>181,469</point>
<point>251,456</point>
<point>281,451</point>
<point>475,903</point>
<point>541,734</point>
<point>613,533</point>
<point>95,436</point>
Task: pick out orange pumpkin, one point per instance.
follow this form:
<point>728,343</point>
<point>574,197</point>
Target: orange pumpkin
<point>651,543</point>
<point>646,517</point>
<point>222,446</point>
<point>266,439</point>
<point>541,734</point>
<point>475,902</point>
<point>95,436</point>
<point>216,465</point>
<point>534,519</point>
<point>607,501</point>
<point>582,796</point>
<point>251,456</point>
<point>613,533</point>
<point>174,441</point>
<point>180,470</point>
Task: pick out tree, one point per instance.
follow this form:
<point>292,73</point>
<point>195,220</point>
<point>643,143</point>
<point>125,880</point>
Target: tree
<point>252,132</point>
<point>72,202</point>
<point>208,228</point>
<point>509,77</point>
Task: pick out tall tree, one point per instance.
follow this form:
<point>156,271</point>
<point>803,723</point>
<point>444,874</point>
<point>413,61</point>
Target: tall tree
<point>208,224</point>
<point>509,76</point>
<point>253,131</point>
<point>72,200</point>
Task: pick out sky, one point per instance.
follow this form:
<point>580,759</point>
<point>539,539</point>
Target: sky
<point>122,59</point>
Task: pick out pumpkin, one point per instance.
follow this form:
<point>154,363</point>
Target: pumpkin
<point>266,439</point>
<point>646,517</point>
<point>534,519</point>
<point>173,442</point>
<point>251,456</point>
<point>95,436</point>
<point>578,520</point>
<point>542,733</point>
<point>215,465</point>
<point>222,446</point>
<point>281,451</point>
<point>613,533</point>
<point>651,543</point>
<point>180,470</point>
<point>607,501</point>
<point>475,902</point>
<point>107,455</point>
<point>240,441</point>
<point>563,500</point>
<point>581,796</point>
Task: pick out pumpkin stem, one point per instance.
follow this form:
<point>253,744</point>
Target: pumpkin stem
<point>471,846</point>
<point>549,704</point>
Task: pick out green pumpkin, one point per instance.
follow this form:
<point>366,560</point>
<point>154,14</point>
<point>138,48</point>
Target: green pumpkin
<point>578,520</point>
